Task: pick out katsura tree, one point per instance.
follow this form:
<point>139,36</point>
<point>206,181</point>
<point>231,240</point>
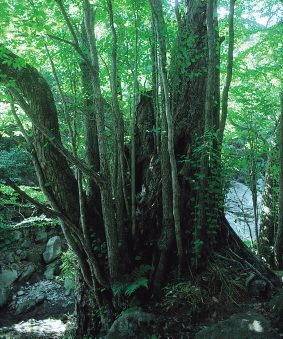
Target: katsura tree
<point>132,214</point>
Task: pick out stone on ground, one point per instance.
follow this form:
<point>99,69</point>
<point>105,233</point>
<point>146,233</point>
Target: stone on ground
<point>29,303</point>
<point>52,270</point>
<point>28,272</point>
<point>53,249</point>
<point>135,324</point>
<point>4,295</point>
<point>7,277</point>
<point>248,325</point>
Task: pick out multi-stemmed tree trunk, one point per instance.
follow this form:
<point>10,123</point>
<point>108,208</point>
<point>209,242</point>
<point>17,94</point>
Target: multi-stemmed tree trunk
<point>178,216</point>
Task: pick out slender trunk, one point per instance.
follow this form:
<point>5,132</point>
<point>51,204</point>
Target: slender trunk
<point>209,157</point>
<point>269,206</point>
<point>106,193</point>
<point>160,29</point>
<point>65,108</point>
<point>229,72</point>
<point>133,122</point>
<point>121,200</point>
<point>278,245</point>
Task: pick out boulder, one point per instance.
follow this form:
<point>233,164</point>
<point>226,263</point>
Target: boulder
<point>7,277</point>
<point>53,249</point>
<point>17,235</point>
<point>4,295</point>
<point>35,254</point>
<point>132,324</point>
<point>257,287</point>
<point>276,308</point>
<point>52,270</point>
<point>248,325</point>
<point>41,235</point>
<point>26,244</point>
<point>26,304</point>
<point>11,257</point>
<point>28,272</point>
<point>21,254</point>
<point>69,285</point>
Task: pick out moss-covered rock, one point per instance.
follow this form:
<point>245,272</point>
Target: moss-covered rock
<point>248,325</point>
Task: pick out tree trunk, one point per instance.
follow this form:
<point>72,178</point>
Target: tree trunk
<point>160,32</point>
<point>269,207</point>
<point>168,178</point>
<point>229,72</point>
<point>278,245</point>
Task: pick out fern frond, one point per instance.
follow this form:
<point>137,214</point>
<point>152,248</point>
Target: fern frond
<point>135,285</point>
<point>119,288</point>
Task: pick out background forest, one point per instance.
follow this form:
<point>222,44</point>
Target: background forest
<point>129,122</point>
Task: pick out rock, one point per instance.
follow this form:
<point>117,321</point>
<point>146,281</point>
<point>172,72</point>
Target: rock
<point>132,324</point>
<point>28,303</point>
<point>20,293</point>
<point>28,272</point>
<point>248,325</point>
<point>53,249</point>
<point>257,287</point>
<point>17,235</point>
<point>69,285</point>
<point>35,255</point>
<point>276,307</point>
<point>41,235</point>
<point>7,277</point>
<point>4,295</point>
<point>21,254</point>
<point>26,244</point>
<point>11,257</point>
<point>52,270</point>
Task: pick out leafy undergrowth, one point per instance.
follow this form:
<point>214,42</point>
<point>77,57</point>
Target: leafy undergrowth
<point>186,307</point>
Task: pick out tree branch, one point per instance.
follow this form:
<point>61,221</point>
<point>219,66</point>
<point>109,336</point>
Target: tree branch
<point>55,143</point>
<point>25,196</point>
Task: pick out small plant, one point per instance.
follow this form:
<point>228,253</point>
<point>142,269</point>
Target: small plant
<point>182,294</point>
<point>223,285</point>
<point>69,266</point>
<point>132,282</point>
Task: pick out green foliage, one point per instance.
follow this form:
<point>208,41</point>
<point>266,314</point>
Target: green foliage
<point>15,162</point>
<point>182,294</point>
<point>9,197</point>
<point>208,196</point>
<point>223,285</point>
<point>37,221</point>
<point>69,266</point>
<point>133,281</point>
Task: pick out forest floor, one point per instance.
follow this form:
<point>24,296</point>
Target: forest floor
<point>223,296</point>
<point>173,323</point>
<point>228,287</point>
<point>182,313</point>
